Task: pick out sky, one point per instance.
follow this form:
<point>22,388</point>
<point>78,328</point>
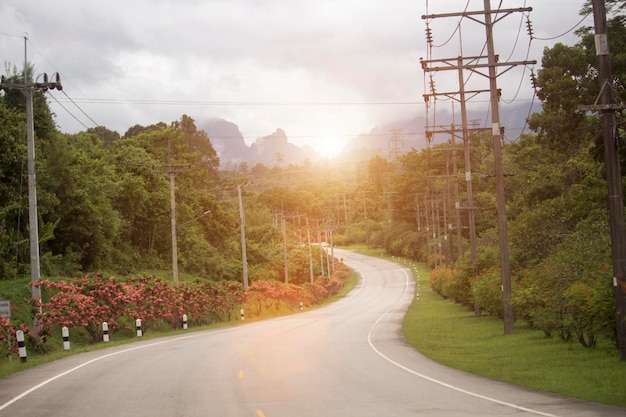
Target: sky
<point>322,70</point>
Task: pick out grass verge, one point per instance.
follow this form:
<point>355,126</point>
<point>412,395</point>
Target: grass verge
<point>451,335</point>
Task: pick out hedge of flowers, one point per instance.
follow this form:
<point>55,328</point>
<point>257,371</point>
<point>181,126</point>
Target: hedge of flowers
<point>85,303</point>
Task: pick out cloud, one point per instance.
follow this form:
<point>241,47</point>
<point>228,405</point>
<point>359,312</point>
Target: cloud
<point>272,63</point>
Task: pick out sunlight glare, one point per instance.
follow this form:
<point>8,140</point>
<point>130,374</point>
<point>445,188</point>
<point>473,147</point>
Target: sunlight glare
<point>328,147</point>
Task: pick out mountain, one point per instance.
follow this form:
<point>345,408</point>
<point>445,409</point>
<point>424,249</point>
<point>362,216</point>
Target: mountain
<point>405,135</point>
<point>271,150</point>
<point>227,141</point>
<point>384,140</point>
<point>275,149</point>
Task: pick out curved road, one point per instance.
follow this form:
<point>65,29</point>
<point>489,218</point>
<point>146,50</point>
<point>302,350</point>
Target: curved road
<point>347,359</point>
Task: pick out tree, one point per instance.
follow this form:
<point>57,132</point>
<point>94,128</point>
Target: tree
<point>80,185</point>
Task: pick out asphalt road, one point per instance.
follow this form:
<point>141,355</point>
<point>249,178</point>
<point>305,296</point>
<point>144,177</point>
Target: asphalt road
<point>347,359</point>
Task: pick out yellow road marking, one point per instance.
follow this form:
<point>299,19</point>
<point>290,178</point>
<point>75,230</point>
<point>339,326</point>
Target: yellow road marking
<point>240,374</point>
<point>260,413</point>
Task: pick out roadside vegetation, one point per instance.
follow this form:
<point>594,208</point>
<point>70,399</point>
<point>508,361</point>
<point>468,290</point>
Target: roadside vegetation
<point>83,304</point>
<point>451,334</point>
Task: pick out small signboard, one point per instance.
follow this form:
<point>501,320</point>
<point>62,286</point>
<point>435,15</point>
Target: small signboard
<point>5,309</point>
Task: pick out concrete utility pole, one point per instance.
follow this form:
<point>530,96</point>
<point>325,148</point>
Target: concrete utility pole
<point>283,224</point>
<point>491,65</point>
<point>28,88</point>
<point>308,238</point>
<point>172,170</point>
<point>607,105</point>
<point>242,226</point>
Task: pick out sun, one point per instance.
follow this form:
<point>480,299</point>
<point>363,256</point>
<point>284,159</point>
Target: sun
<point>328,147</point>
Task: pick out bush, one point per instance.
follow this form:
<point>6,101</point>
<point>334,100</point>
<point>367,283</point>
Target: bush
<point>487,292</point>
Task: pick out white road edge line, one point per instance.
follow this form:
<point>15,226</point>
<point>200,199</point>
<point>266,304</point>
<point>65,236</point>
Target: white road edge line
<point>436,381</point>
<point>69,371</point>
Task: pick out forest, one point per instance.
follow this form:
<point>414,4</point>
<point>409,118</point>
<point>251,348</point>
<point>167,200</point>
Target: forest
<point>104,204</point>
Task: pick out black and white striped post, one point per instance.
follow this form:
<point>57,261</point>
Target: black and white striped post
<point>301,306</point>
<point>66,337</point>
<point>184,322</point>
<point>138,328</point>
<point>105,332</point>
<point>21,346</point>
<point>241,313</point>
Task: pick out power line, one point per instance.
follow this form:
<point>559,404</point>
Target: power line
<point>244,103</point>
<point>79,108</point>
<point>68,112</point>
<point>564,33</point>
<point>67,80</point>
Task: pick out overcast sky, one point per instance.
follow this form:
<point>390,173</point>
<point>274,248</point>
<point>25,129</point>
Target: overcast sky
<point>322,70</point>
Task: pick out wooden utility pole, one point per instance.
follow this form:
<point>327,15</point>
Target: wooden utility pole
<point>607,105</point>
<point>505,267</point>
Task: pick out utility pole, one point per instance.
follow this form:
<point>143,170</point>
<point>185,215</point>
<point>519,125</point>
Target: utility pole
<point>319,240</point>
<point>308,238</point>
<point>242,226</point>
<point>28,88</point>
<point>505,267</point>
<point>457,202</point>
<point>283,224</point>
<point>492,65</point>
<point>607,105</point>
<point>172,170</point>
<point>394,145</point>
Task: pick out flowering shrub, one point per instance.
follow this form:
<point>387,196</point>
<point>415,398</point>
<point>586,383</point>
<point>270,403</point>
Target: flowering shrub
<point>86,302</point>
<point>267,294</point>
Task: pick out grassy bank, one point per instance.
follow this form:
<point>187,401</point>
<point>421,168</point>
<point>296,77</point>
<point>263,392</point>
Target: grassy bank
<point>451,335</point>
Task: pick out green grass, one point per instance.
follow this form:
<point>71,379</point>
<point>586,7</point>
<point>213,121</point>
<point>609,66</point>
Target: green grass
<point>451,335</point>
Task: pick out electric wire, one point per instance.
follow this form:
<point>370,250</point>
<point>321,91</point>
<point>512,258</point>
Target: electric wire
<point>66,80</point>
<point>79,108</point>
<point>67,110</point>
<point>240,103</point>
<point>564,33</point>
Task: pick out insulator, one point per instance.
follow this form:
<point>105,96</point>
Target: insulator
<point>57,82</point>
<point>429,35</point>
<point>529,27</point>
<point>533,79</point>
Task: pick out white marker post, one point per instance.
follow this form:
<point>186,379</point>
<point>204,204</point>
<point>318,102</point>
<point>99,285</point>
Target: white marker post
<point>184,322</point>
<point>105,332</point>
<point>66,337</point>
<point>241,312</point>
<point>138,327</point>
<point>21,347</point>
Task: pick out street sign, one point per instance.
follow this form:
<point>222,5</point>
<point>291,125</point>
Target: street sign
<point>5,309</point>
